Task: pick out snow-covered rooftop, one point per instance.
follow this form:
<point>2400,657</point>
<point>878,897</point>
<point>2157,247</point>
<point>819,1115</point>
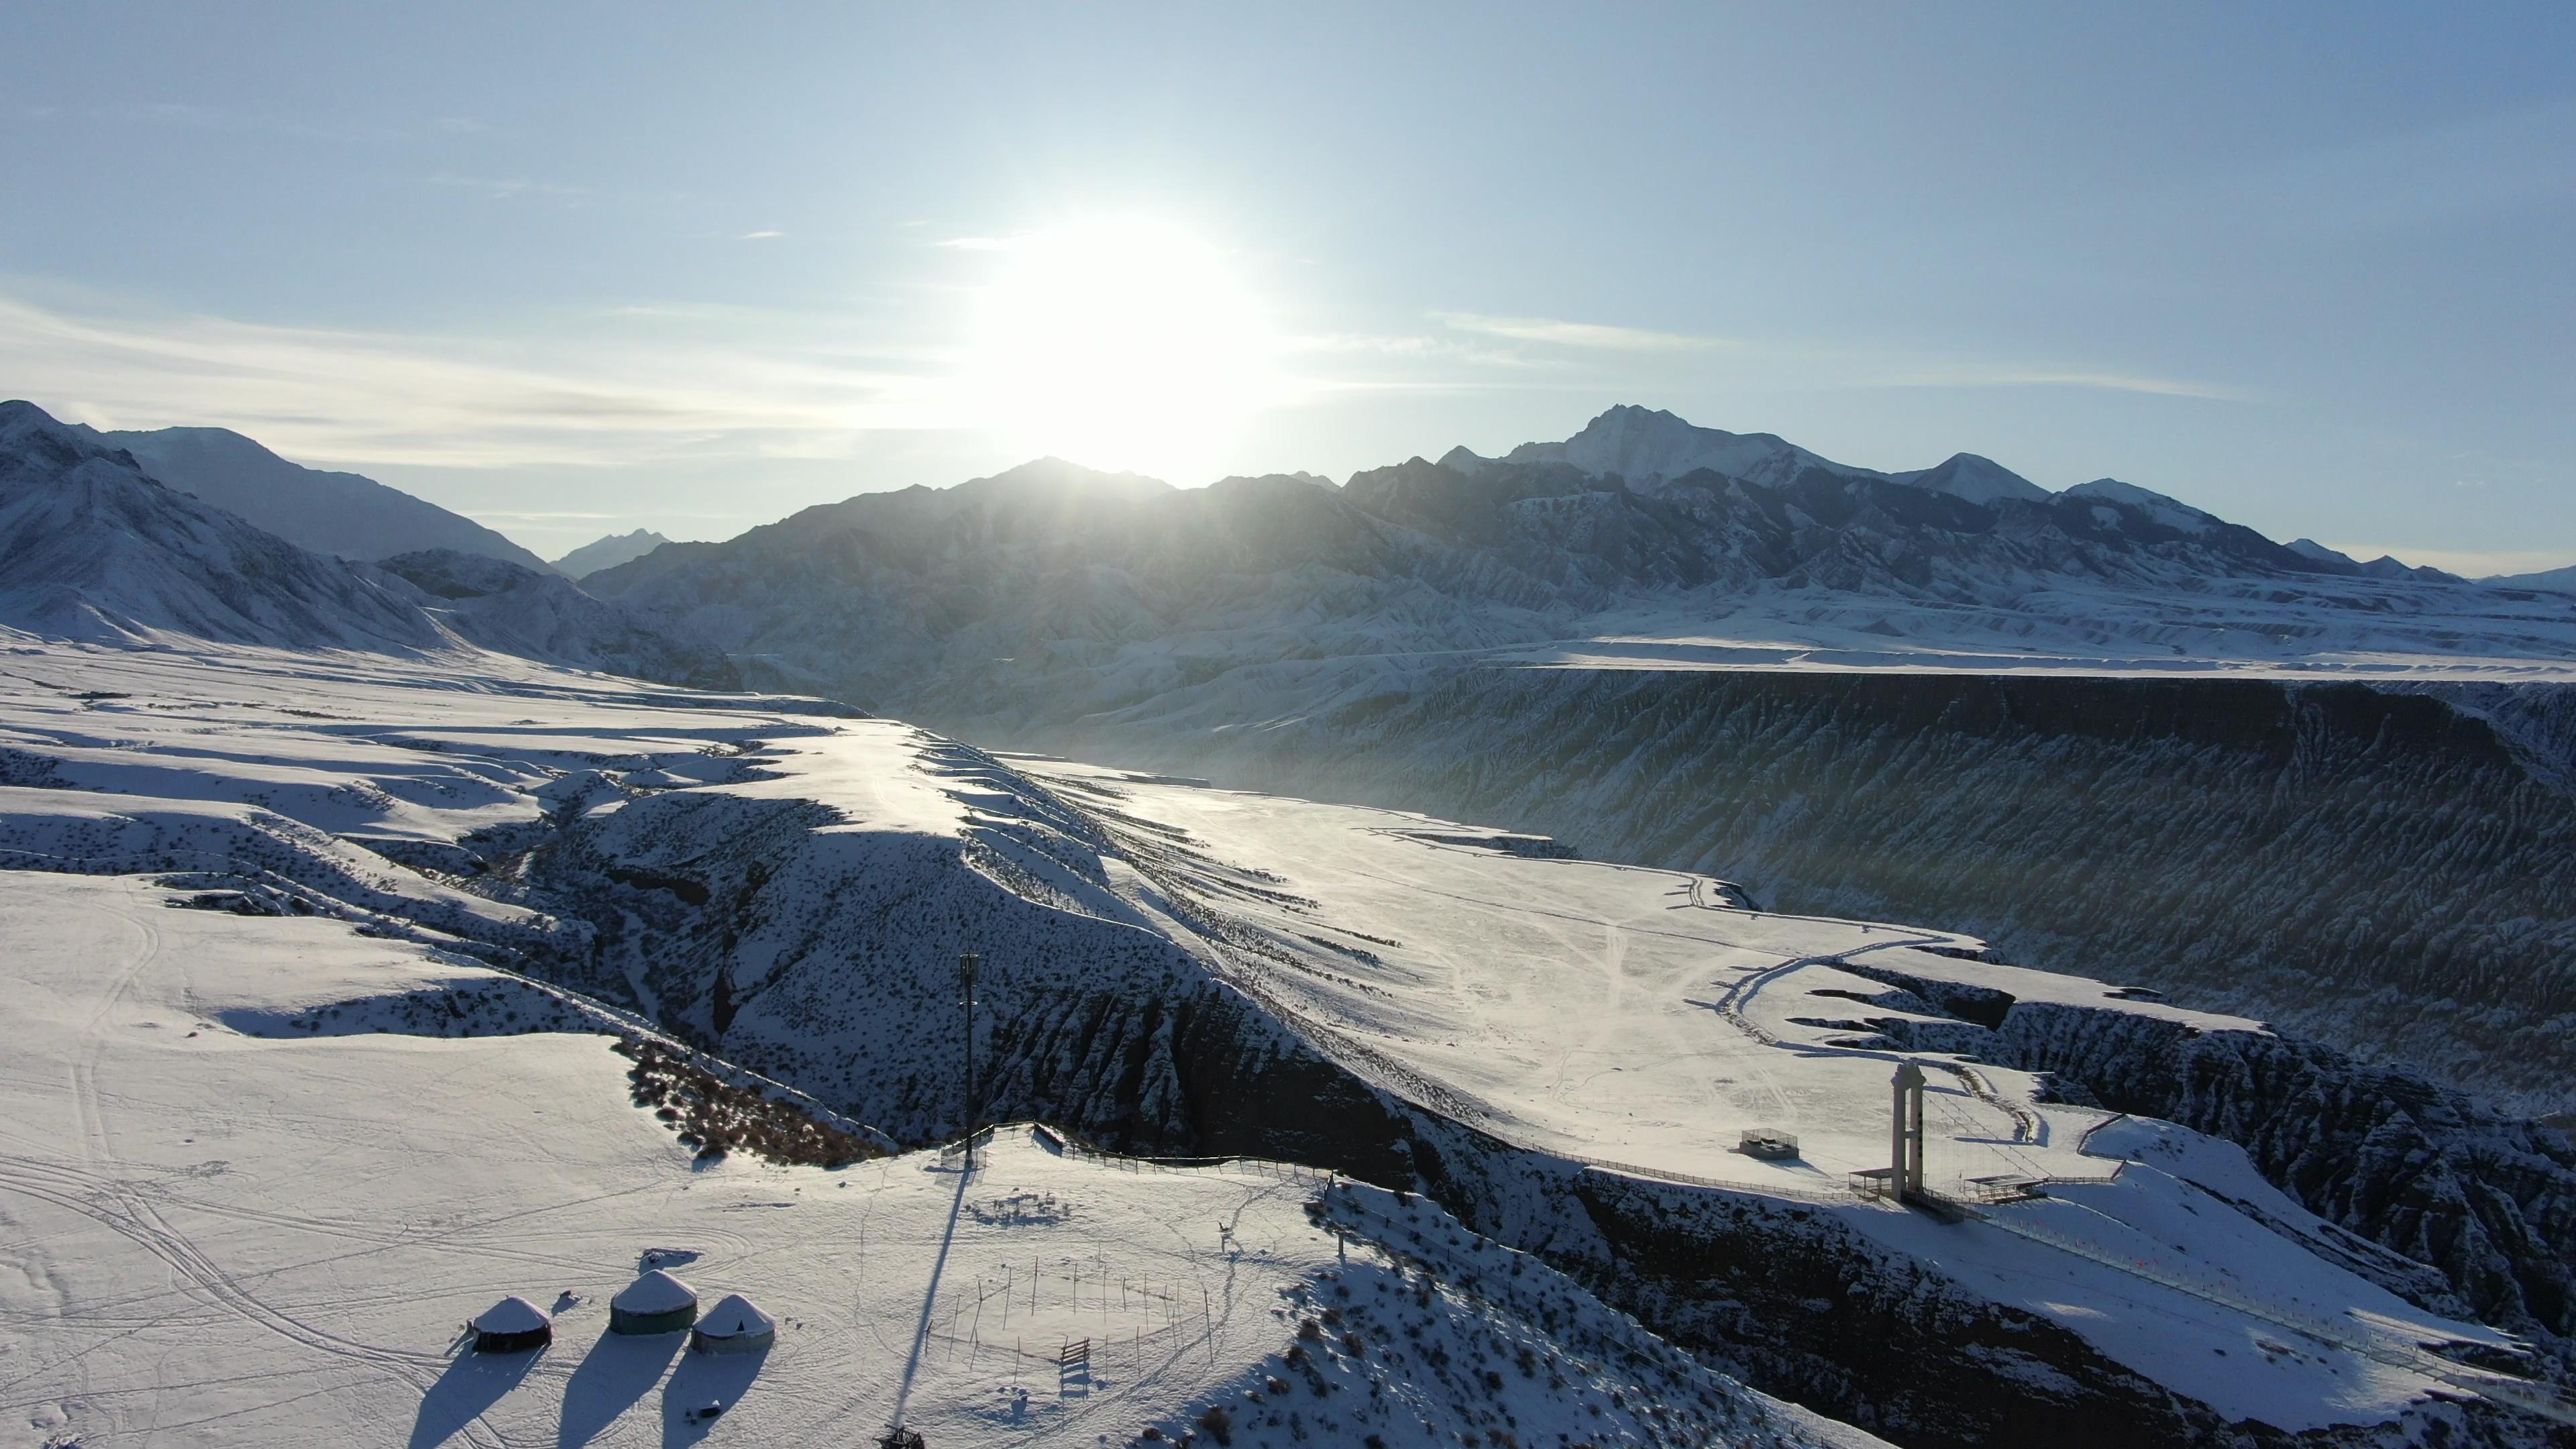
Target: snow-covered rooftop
<point>655,1292</point>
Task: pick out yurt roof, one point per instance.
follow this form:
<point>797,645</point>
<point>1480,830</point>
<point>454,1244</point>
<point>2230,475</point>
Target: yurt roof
<point>513,1314</point>
<point>655,1292</point>
<point>735,1317</point>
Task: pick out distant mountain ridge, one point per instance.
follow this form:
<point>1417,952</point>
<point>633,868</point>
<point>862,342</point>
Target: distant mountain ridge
<point>2559,578</point>
<point>343,514</point>
<point>607,553</point>
<point>1050,587</point>
<point>93,548</point>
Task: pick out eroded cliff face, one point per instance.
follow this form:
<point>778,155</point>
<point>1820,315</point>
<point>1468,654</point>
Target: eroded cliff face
<point>2441,1181</point>
<point>2391,873</point>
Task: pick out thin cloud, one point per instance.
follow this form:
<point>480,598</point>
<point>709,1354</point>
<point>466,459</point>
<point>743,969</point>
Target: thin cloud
<point>376,398</point>
<point>1968,377</point>
<point>1592,336</point>
<point>975,243</point>
<point>762,235</point>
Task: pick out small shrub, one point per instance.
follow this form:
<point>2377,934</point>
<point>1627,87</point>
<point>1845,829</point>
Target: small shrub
<point>1218,1421</point>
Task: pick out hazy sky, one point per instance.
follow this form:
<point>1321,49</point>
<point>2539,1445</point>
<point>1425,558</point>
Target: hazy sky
<point>596,267</point>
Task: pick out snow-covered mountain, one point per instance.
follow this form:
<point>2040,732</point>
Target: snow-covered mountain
<point>1650,449</point>
<point>608,553</point>
<point>93,548</point>
<point>344,514</point>
<point>1050,587</point>
<point>2562,579</point>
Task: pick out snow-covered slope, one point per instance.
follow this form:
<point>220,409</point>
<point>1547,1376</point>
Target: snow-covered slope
<point>1431,1006</point>
<point>608,552</point>
<point>93,548</point>
<point>2561,579</point>
<point>90,548</point>
<point>343,514</point>
<point>515,610</point>
<point>249,1219</point>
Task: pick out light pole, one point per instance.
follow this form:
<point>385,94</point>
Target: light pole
<point>966,965</point>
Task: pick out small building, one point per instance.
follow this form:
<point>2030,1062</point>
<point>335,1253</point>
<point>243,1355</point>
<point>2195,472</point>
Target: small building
<point>513,1325</point>
<point>734,1325</point>
<point>654,1303</point>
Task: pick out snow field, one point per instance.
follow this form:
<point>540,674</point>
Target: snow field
<point>218,1237</point>
<point>1642,1021</point>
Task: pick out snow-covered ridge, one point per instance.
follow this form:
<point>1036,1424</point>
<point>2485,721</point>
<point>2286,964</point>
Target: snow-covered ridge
<point>93,548</point>
<point>333,513</point>
<point>1051,592</point>
<point>608,552</point>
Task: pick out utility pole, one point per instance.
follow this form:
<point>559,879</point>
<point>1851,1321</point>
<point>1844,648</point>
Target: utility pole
<point>966,965</point>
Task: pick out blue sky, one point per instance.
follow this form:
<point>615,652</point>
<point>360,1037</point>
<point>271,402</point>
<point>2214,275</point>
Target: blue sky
<point>690,268</point>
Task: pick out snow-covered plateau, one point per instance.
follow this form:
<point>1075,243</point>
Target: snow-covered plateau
<point>316,958</point>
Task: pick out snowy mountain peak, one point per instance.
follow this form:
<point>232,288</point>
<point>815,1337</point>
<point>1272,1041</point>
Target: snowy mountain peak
<point>1463,460</point>
<point>1053,480</point>
<point>1981,481</point>
<point>91,548</point>
<point>608,553</point>
<point>343,514</point>
<point>2171,512</point>
<point>1651,447</point>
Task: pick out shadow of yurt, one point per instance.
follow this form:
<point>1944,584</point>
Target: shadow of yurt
<point>703,1389</point>
<point>619,1370</point>
<point>473,1383</point>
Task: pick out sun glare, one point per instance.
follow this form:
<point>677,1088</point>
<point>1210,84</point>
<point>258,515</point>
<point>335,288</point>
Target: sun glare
<point>1120,345</point>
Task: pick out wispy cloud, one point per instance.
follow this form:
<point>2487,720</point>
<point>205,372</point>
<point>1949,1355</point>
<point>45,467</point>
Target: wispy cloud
<point>1592,336</point>
<point>352,397</point>
<point>1548,342</point>
<point>975,243</point>
<point>2048,377</point>
<point>761,235</point>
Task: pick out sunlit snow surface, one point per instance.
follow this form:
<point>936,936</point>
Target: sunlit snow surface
<point>1635,1018</point>
<point>225,1238</point>
<point>234,1236</point>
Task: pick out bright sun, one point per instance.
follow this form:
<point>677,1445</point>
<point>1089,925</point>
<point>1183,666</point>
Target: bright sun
<point>1120,345</point>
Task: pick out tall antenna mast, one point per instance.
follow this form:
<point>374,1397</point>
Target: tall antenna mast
<point>966,965</point>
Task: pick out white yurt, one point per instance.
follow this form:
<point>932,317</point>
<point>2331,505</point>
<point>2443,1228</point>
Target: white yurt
<point>734,1325</point>
<point>513,1325</point>
<point>653,1303</point>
